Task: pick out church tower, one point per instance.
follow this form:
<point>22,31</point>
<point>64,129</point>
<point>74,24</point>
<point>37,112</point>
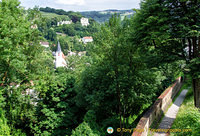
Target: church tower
<point>60,58</point>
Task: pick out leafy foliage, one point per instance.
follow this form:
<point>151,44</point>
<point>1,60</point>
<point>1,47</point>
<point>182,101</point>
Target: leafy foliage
<point>4,128</point>
<point>118,82</point>
<point>170,31</point>
<point>122,73</point>
<point>83,129</point>
<point>55,114</point>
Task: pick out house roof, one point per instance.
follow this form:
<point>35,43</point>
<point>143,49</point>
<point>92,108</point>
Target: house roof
<point>59,48</point>
<point>44,43</point>
<point>88,37</point>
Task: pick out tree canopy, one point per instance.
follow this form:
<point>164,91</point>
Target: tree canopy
<point>120,75</point>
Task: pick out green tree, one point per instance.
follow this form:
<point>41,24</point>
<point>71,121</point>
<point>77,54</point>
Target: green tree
<point>22,60</point>
<point>51,35</point>
<point>170,29</point>
<point>83,129</point>
<point>118,82</point>
<point>69,30</point>
<point>4,128</point>
<point>57,113</point>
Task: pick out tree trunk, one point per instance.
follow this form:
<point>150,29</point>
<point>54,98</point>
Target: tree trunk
<point>195,51</point>
<point>183,46</point>
<point>120,113</point>
<point>154,43</point>
<point>190,49</point>
<point>196,81</point>
<point>124,116</point>
<point>198,46</point>
<point>119,97</point>
<point>196,90</point>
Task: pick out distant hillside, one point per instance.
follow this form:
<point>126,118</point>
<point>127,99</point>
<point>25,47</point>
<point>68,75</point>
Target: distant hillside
<point>51,12</point>
<point>102,16</point>
<point>51,15</point>
<point>98,16</point>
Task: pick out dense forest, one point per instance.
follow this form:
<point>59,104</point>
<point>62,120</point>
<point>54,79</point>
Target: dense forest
<point>125,69</point>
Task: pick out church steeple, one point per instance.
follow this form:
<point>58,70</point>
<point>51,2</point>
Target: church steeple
<point>59,48</point>
<point>60,57</point>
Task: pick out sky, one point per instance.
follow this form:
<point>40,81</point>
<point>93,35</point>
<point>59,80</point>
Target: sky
<point>82,5</point>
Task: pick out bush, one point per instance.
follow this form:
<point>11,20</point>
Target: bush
<point>83,130</point>
<point>4,128</point>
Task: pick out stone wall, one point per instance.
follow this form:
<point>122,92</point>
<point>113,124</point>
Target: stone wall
<point>157,109</point>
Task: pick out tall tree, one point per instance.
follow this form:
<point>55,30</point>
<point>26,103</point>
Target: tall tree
<point>171,29</point>
<point>22,60</point>
<point>117,83</point>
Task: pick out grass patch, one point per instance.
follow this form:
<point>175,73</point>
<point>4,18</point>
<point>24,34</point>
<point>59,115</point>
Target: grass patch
<point>188,117</point>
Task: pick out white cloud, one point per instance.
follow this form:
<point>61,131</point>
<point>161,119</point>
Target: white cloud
<point>71,2</point>
<point>82,5</point>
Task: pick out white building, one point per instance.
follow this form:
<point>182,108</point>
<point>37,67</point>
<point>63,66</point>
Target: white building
<point>87,39</point>
<point>60,34</point>
<point>84,21</point>
<point>70,53</point>
<point>60,58</point>
<point>34,26</point>
<point>64,22</point>
<point>31,92</point>
<point>44,44</point>
<point>82,53</point>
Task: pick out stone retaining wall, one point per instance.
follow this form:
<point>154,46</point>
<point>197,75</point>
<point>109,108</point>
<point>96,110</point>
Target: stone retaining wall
<point>157,109</point>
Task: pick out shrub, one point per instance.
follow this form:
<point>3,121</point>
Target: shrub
<point>83,130</point>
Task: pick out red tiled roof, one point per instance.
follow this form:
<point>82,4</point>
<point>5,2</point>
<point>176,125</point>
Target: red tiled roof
<point>87,37</point>
<point>63,56</point>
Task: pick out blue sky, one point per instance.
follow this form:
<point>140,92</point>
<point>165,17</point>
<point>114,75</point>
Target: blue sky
<point>82,5</point>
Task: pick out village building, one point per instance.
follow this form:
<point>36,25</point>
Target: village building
<point>87,39</point>
<point>70,53</point>
<point>30,91</point>
<point>44,44</point>
<point>60,58</point>
<point>82,53</point>
<point>84,21</point>
<point>58,33</point>
<point>64,22</point>
<point>34,26</point>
